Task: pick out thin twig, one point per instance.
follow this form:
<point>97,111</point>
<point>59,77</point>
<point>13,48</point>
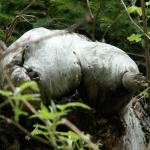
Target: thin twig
<point>28,6</point>
<point>89,8</point>
<point>10,83</point>
<point>137,55</point>
<point>93,17</point>
<point>94,21</point>
<point>10,121</point>
<point>146,40</point>
<point>2,47</point>
<point>138,97</point>
<point>4,104</point>
<point>75,129</point>
<point>11,27</point>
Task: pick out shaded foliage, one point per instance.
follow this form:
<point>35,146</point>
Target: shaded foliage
<point>112,23</point>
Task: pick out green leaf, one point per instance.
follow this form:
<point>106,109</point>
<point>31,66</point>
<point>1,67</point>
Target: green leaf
<point>39,132</point>
<point>27,97</point>
<point>41,127</point>
<point>63,107</point>
<point>147,3</point>
<point>6,93</point>
<point>139,11</point>
<point>44,113</point>
<point>135,38</point>
<point>50,116</point>
<point>132,9</point>
<point>71,135</point>
<point>146,94</point>
<point>135,9</point>
<point>18,112</point>
<point>32,85</point>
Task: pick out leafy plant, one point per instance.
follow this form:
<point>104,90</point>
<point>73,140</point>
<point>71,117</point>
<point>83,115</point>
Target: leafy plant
<point>51,117</point>
<point>135,37</point>
<point>15,98</point>
<point>135,9</point>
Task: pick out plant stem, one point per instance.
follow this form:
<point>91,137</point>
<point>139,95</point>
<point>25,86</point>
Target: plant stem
<point>76,130</point>
<point>10,121</point>
<point>146,40</point>
<point>132,21</point>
